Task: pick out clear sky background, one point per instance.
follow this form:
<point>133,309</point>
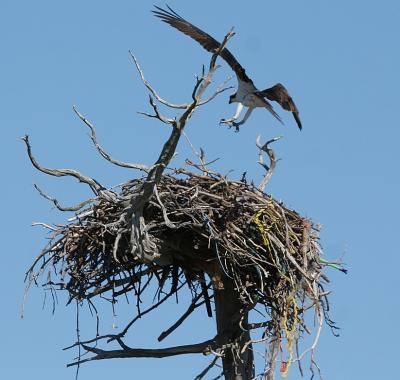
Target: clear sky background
<point>339,59</point>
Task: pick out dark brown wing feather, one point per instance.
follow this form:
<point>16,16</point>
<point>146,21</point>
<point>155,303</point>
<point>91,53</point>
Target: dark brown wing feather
<point>209,43</point>
<point>278,93</point>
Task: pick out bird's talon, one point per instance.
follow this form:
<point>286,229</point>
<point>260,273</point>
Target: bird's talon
<point>226,121</point>
<point>230,122</point>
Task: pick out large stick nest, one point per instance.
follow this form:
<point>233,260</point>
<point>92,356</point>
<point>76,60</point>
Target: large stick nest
<point>199,224</point>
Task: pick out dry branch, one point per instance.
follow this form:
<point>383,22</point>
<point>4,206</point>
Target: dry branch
<point>128,352</point>
<point>103,153</point>
<point>269,169</point>
<point>94,185</point>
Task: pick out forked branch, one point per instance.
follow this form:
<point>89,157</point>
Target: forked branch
<point>127,352</point>
<point>264,148</point>
<point>57,203</point>
<point>103,153</point>
<point>94,185</point>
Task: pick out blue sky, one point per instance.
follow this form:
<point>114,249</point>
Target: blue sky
<point>339,59</point>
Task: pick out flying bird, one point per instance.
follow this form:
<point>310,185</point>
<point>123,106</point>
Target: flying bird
<point>247,95</point>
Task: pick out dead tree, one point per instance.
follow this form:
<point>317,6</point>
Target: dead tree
<point>225,241</point>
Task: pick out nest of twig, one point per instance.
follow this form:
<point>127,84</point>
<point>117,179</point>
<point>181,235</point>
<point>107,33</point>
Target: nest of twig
<point>200,224</point>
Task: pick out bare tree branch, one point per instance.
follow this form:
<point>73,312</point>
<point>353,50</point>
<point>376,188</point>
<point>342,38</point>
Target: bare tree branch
<point>151,89</point>
<point>94,185</point>
<point>213,67</point>
<point>141,314</point>
<point>44,225</point>
<point>201,375</point>
<point>103,153</point>
<point>57,204</point>
<point>312,348</point>
<point>193,305</point>
<point>219,90</point>
<point>168,223</point>
<point>270,169</point>
<point>157,114</point>
<point>197,348</point>
<point>119,283</point>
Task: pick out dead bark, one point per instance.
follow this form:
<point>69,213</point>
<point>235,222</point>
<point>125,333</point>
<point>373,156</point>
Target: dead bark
<point>231,316</point>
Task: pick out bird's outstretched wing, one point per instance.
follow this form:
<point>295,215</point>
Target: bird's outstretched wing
<point>278,93</point>
<point>209,43</point>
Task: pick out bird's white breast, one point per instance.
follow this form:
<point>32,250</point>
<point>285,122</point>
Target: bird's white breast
<point>245,95</point>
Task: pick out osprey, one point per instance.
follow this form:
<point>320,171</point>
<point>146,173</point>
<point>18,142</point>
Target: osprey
<point>247,95</point>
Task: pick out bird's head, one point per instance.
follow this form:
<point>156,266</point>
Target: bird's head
<point>232,98</point>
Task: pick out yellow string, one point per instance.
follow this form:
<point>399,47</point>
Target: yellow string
<point>264,228</point>
<point>291,300</point>
<point>260,226</point>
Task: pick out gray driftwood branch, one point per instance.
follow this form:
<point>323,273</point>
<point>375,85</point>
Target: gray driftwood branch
<point>264,148</point>
<point>57,203</point>
<point>127,352</point>
<point>153,92</point>
<point>141,244</point>
<point>103,153</point>
<point>94,185</point>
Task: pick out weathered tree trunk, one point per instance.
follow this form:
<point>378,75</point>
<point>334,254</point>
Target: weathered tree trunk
<point>231,316</point>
